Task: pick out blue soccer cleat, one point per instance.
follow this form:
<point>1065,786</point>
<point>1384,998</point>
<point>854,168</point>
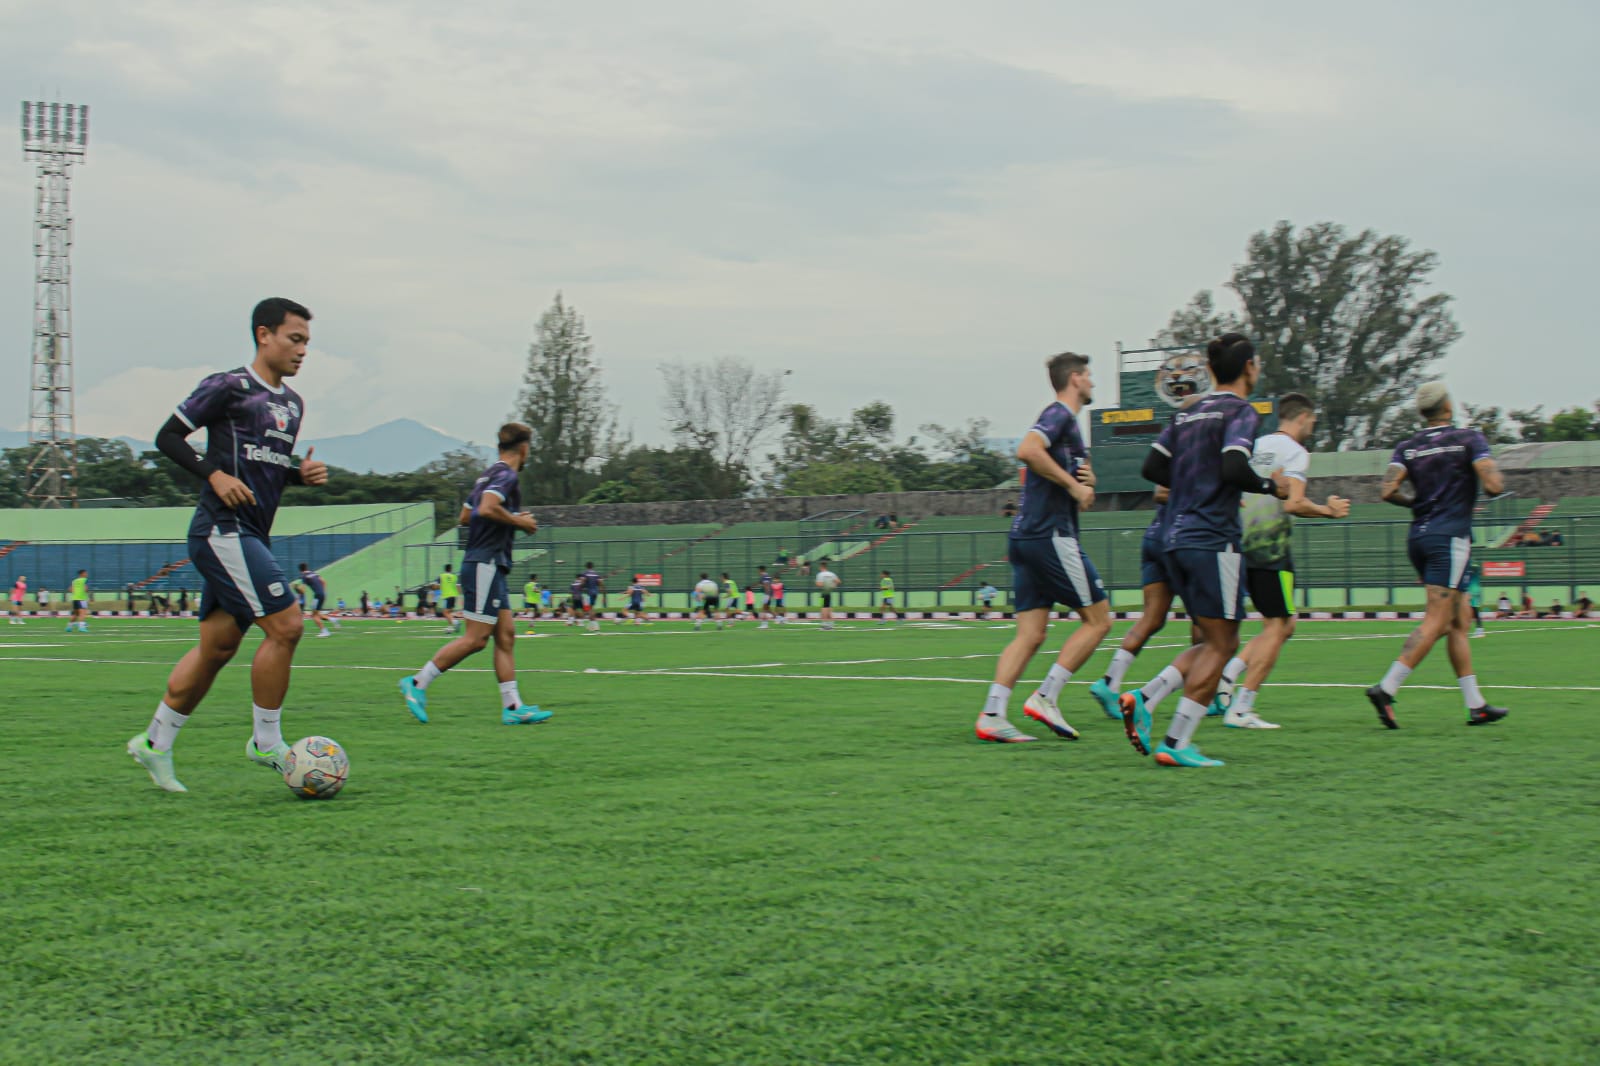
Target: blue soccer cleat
<point>1188,755</point>
<point>416,699</point>
<point>527,714</point>
<point>1107,698</point>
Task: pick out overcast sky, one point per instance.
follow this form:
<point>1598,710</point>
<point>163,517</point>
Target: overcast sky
<point>906,200</point>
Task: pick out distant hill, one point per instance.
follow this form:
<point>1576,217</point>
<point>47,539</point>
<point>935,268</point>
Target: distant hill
<point>392,448</point>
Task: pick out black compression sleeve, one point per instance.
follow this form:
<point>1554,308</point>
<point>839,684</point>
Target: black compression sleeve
<point>1157,467</point>
<point>172,441</point>
<point>1236,472</point>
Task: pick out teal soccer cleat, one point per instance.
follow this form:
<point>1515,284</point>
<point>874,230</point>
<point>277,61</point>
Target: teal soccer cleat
<point>527,714</point>
<point>416,699</point>
<point>1185,756</point>
<point>1106,698</point>
<point>1136,720</point>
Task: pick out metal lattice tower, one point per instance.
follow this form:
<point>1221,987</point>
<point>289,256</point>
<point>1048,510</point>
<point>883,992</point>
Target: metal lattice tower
<point>57,136</point>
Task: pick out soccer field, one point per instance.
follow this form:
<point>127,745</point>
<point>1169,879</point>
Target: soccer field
<point>785,847</point>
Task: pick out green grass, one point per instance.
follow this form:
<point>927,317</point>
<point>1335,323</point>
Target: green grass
<point>816,864</point>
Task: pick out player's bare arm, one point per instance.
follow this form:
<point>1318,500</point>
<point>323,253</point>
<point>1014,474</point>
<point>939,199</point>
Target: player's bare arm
<point>1397,489</point>
<point>1297,504</point>
<point>1489,477</point>
<point>493,508</point>
<point>1036,456</point>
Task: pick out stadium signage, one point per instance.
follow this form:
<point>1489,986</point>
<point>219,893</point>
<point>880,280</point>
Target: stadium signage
<point>1502,568</point>
<point>1136,414</point>
<point>648,580</point>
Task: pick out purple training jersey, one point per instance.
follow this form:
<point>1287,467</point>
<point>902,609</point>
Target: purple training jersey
<point>1202,511</point>
<point>251,428</point>
<point>1439,463</point>
<point>313,581</point>
<point>1047,509</point>
<point>490,542</point>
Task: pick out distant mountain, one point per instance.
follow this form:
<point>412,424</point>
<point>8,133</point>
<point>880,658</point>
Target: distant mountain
<point>392,448</point>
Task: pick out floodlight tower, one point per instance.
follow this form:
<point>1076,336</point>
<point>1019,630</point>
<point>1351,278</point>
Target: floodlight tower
<point>57,136</point>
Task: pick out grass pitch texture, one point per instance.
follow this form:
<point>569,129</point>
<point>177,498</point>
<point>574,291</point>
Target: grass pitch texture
<point>785,846</point>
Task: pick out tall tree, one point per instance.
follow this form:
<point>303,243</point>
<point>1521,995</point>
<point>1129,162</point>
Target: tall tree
<point>725,409</point>
<point>564,401</point>
<point>1342,318</point>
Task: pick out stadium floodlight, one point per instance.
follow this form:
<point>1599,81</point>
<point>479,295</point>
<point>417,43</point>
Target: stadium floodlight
<point>55,136</point>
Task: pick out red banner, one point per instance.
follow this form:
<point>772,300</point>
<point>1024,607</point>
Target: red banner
<point>648,580</point>
<point>1504,569</point>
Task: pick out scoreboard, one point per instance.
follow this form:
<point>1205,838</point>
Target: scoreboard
<point>1120,437</point>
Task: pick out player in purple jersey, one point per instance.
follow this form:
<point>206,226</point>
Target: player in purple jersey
<point>492,519</point>
<point>252,419</point>
<point>1437,474</point>
<point>1203,458</point>
<point>1047,565</point>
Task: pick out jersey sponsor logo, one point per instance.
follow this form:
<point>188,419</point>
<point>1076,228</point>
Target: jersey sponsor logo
<point>275,589</point>
<point>259,454</point>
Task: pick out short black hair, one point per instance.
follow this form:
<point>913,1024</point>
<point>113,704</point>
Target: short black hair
<point>447,568</point>
<point>1063,366</point>
<point>513,435</point>
<point>303,566</point>
<point>272,311</point>
<point>1292,405</point>
<point>1228,355</point>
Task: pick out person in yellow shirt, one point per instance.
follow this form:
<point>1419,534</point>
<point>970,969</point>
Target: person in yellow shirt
<point>80,603</point>
<point>886,593</point>
<point>449,589</point>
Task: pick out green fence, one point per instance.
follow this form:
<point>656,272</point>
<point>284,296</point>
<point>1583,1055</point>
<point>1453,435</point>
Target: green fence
<point>1338,563</point>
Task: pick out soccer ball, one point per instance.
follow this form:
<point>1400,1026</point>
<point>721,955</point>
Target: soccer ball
<point>316,768</point>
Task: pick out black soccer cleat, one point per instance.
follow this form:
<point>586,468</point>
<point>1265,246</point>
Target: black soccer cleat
<point>1385,706</point>
<point>1486,715</point>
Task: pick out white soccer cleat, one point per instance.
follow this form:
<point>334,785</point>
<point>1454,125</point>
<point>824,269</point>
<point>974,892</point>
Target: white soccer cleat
<point>158,764</point>
<point>1247,720</point>
<point>324,633</point>
<point>1047,713</point>
<point>998,730</point>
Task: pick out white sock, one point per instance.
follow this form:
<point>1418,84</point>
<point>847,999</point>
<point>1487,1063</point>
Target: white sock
<point>1120,662</point>
<point>1398,672</point>
<point>1161,686</point>
<point>268,733</point>
<point>508,694</point>
<point>163,728</point>
<point>425,676</point>
<point>1054,682</point>
<point>1470,693</point>
<point>995,705</point>
<point>1184,722</point>
<point>1232,672</point>
<point>1244,701</point>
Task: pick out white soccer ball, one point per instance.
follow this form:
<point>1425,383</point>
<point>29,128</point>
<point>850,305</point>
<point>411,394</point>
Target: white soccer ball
<point>316,768</point>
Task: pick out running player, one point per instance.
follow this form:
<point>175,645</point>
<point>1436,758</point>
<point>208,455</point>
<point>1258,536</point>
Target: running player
<point>1203,457</point>
<point>764,582</point>
<point>828,582</point>
<point>1047,564</point>
<point>252,418</point>
<point>1437,474</point>
<point>17,592</point>
<point>319,596</point>
<point>449,589</point>
<point>706,589</point>
<point>530,599</point>
<point>1268,536</point>
<point>730,594</point>
<point>776,606</point>
<point>80,603</point>
<point>886,593</point>
<point>636,593</point>
<point>594,587</point>
<point>492,520</point>
<point>1475,599</point>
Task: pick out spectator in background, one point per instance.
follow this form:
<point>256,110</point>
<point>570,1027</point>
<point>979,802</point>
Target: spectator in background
<point>881,522</point>
<point>783,557</point>
<point>986,596</point>
<point>1582,606</point>
<point>183,601</point>
<point>131,608</point>
<point>894,521</point>
<point>1009,511</point>
<point>42,597</point>
<point>1528,609</point>
<point>1503,608</point>
<point>1554,611</point>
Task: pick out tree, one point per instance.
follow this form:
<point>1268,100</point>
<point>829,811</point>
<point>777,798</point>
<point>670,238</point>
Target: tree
<point>1508,427</point>
<point>564,402</point>
<point>725,409</point>
<point>1575,423</point>
<point>1342,319</point>
<point>842,478</point>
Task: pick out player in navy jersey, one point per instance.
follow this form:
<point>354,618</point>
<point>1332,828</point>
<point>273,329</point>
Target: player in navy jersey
<point>252,419</point>
<point>636,594</point>
<point>1047,565</point>
<point>1203,458</point>
<point>1437,474</point>
<point>492,519</point>
<point>319,596</point>
<point>594,586</point>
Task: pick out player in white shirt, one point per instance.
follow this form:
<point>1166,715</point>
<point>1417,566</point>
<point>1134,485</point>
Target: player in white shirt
<point>827,581</point>
<point>710,600</point>
<point>1268,535</point>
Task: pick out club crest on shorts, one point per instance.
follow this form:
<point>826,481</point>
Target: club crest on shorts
<point>275,589</point>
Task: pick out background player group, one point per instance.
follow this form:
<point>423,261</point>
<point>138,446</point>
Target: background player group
<point>1209,545</point>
